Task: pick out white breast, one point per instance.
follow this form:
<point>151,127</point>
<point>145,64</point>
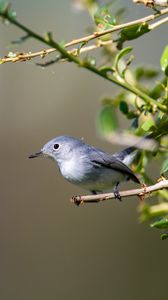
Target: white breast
<point>72,170</point>
<point>96,179</point>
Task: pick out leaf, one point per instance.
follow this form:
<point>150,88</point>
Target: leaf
<point>124,107</point>
<point>103,19</point>
<point>5,10</point>
<point>164,166</point>
<point>107,120</point>
<point>133,32</point>
<point>105,70</point>
<point>3,6</point>
<point>162,124</point>
<point>149,212</point>
<point>145,73</point>
<point>158,89</point>
<point>147,125</point>
<point>120,55</point>
<point>132,115</point>
<point>164,236</point>
<point>164,61</point>
<point>163,194</point>
<point>163,223</point>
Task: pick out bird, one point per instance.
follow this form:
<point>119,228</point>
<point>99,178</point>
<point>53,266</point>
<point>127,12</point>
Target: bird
<point>89,167</point>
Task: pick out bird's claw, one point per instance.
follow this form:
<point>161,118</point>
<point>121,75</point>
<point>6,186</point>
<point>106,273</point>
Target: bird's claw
<point>117,194</point>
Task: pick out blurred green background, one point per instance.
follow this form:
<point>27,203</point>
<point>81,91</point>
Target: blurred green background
<point>51,249</point>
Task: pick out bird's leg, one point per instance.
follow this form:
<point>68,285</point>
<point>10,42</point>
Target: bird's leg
<point>116,191</point>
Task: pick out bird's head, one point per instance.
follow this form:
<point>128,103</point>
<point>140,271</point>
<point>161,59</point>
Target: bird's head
<point>60,149</point>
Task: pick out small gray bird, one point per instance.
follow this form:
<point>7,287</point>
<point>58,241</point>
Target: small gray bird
<point>89,167</point>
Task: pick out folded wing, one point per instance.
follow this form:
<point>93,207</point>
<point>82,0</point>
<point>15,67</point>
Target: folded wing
<point>102,159</point>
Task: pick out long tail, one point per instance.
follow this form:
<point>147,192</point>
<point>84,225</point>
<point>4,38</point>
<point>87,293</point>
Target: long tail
<point>129,154</point>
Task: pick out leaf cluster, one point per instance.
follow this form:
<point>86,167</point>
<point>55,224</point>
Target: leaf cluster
<point>143,118</point>
<point>142,98</point>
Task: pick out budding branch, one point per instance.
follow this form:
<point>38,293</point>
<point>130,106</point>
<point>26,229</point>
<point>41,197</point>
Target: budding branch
<point>15,57</point>
<point>142,192</point>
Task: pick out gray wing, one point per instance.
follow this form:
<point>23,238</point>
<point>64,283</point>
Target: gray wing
<point>102,159</point>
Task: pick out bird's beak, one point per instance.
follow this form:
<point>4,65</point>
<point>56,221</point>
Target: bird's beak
<point>37,154</point>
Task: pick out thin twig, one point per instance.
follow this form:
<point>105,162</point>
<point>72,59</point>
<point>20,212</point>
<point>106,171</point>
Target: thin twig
<point>85,64</point>
<point>141,192</point>
<point>158,23</point>
<point>152,3</point>
<point>15,57</point>
<point>98,34</point>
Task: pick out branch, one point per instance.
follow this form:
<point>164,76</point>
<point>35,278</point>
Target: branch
<point>19,56</point>
<point>85,64</point>
<point>98,34</point>
<point>142,193</point>
<point>29,55</point>
<point>152,3</point>
<point>158,23</point>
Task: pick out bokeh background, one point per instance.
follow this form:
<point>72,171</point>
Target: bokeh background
<point>49,248</point>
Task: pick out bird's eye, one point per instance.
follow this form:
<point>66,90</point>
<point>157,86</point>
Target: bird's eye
<point>56,146</point>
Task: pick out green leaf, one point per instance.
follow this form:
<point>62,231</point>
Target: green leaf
<point>163,223</point>
<point>164,236</point>
<point>163,194</point>
<point>145,73</point>
<point>5,10</point>
<point>103,19</point>
<point>164,61</point>
<point>132,115</point>
<point>133,32</point>
<point>3,5</point>
<point>162,125</point>
<point>124,107</point>
<point>164,166</point>
<point>147,125</point>
<point>105,70</point>
<point>107,120</point>
<point>120,55</point>
<point>148,212</point>
<point>158,90</point>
